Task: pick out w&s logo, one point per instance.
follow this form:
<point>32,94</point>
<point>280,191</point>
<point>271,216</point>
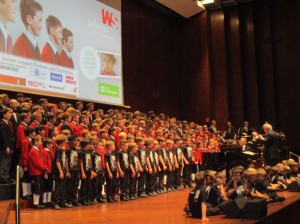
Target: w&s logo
<point>110,19</point>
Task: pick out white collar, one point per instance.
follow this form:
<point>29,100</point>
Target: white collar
<point>67,53</point>
<point>36,148</point>
<point>30,38</point>
<point>52,45</point>
<point>4,30</point>
<point>50,124</point>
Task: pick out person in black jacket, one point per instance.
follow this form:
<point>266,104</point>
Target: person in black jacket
<point>271,151</point>
<point>6,145</point>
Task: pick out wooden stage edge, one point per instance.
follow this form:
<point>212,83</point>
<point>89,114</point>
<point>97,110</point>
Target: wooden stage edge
<point>165,208</point>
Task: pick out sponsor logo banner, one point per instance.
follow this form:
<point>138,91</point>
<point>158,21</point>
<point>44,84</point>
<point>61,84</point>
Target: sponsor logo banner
<point>36,84</point>
<point>108,90</point>
<point>56,77</point>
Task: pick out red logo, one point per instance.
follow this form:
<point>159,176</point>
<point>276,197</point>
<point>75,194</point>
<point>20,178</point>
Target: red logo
<point>110,19</point>
<point>70,80</point>
<point>36,84</point>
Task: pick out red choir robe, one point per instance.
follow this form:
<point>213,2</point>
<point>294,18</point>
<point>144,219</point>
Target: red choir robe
<point>49,56</point>
<point>65,60</point>
<point>24,48</point>
<point>37,164</point>
<point>20,134</point>
<point>7,48</point>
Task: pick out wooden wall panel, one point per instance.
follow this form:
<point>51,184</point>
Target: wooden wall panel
<point>233,55</point>
<point>150,59</point>
<point>219,68</point>
<point>248,58</point>
<point>265,64</point>
<point>284,19</point>
<point>195,81</point>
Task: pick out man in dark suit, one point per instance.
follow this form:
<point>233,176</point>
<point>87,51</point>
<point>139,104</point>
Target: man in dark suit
<point>230,131</point>
<point>15,121</point>
<point>271,152</point>
<point>245,131</point>
<point>213,128</point>
<point>6,145</point>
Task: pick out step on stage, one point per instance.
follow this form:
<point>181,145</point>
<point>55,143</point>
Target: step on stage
<point>162,209</point>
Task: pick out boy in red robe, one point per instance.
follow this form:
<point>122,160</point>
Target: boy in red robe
<point>50,52</point>
<point>68,46</point>
<point>8,11</point>
<point>32,17</point>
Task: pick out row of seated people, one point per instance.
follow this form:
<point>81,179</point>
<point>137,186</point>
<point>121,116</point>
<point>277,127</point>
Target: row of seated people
<point>212,192</point>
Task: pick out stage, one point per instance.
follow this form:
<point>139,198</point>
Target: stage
<point>162,209</point>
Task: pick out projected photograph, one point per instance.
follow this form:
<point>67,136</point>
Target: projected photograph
<point>110,64</point>
<point>75,53</point>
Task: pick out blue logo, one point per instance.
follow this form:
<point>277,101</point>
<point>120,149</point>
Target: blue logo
<point>37,72</point>
<point>56,77</point>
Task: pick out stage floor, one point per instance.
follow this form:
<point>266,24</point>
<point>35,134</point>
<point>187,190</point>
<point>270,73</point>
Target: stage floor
<point>161,209</point>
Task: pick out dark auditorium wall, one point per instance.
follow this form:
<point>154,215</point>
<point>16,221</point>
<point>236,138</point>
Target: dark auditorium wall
<point>262,52</point>
<point>151,56</point>
<point>239,63</point>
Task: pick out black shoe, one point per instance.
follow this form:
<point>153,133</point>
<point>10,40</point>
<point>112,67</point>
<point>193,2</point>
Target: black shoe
<point>75,203</point>
<point>143,195</point>
<point>178,188</point>
<point>131,198</point>
<point>151,194</point>
<point>110,200</point>
<point>38,206</point>
<point>279,199</point>
<point>93,202</point>
<point>186,187</point>
<point>66,205</point>
<point>56,207</point>
<point>123,198</point>
<point>115,200</point>
<point>85,203</point>
<point>26,197</point>
<point>100,200</point>
<point>186,210</point>
<point>49,204</point>
<point>169,190</point>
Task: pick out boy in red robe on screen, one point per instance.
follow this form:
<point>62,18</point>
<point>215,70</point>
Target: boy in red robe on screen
<point>8,10</point>
<point>32,17</point>
<point>68,46</point>
<point>50,52</point>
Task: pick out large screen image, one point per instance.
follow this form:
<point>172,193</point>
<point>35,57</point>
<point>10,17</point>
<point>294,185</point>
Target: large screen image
<point>64,48</point>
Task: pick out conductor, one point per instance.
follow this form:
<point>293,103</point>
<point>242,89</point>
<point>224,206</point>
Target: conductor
<point>271,151</point>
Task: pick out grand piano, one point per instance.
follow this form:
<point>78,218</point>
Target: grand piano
<point>229,156</point>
